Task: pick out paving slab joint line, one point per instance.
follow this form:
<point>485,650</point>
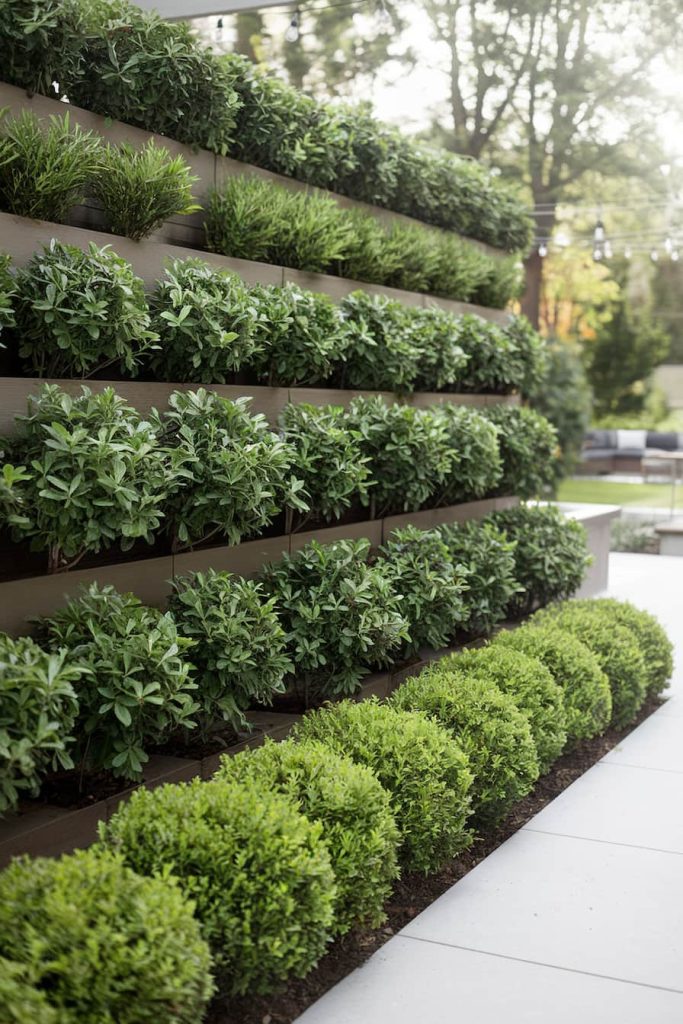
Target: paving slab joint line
<point>542,963</point>
<point>603,842</point>
<point>641,767</point>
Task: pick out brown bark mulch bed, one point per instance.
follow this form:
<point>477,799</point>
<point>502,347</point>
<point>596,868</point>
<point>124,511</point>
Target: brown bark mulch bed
<point>413,893</point>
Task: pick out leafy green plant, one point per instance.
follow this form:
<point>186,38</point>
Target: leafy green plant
<point>45,168</point>
<point>587,695</point>
<point>528,448</point>
<point>40,41</point>
<point>138,688</point>
<point>490,729</point>
<point>101,943</point>
<point>236,472</point>
<point>532,687</point>
<point>476,465</point>
<point>239,643</point>
<point>502,281</point>
<point>21,1001</point>
<point>564,397</point>
<point>8,291</point>
<point>442,360</point>
<point>256,869</point>
<point>418,566</point>
<point>412,257</point>
<point>492,363</point>
<point>551,555</point>
<point>531,354</point>
<point>38,708</point>
<point>458,268</point>
<point>327,459</point>
<point>80,312</point>
<point>655,645</point>
<point>424,770</point>
<point>615,646</point>
<point>206,319</point>
<point>341,615</point>
<point>141,188</point>
<point>407,451</point>
<point>353,809</point>
<point>382,354</point>
<point>367,256</point>
<point>97,475</point>
<point>486,556</point>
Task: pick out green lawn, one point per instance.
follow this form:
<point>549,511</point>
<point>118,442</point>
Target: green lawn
<point>602,492</point>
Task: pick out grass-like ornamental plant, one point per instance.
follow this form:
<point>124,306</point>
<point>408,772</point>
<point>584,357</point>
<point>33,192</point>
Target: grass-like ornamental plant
<point>551,555</point>
<point>300,336</point>
<point>327,459</point>
<point>206,321</point>
<point>500,281</point>
<point>528,449</point>
<point>486,556</point>
<point>615,646</point>
<point>257,870</point>
<point>353,809</point>
<point>93,474</point>
<point>418,565</point>
<point>476,466</point>
<point>141,188</point>
<point>100,943</point>
<point>424,770</point>
<point>490,729</point>
<point>45,168</point>
<point>382,354</point>
<point>443,361</point>
<point>587,694</point>
<point>38,709</point>
<point>532,687</point>
<point>21,1001</point>
<point>239,650</point>
<point>412,257</point>
<point>237,473</point>
<point>407,451</point>
<point>8,291</point>
<point>80,312</point>
<point>138,688</point>
<point>341,616</point>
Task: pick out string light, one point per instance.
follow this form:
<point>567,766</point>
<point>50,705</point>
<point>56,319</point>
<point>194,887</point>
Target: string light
<point>383,16</point>
<point>543,250</point>
<point>628,252</point>
<point>675,256</point>
<point>218,32</point>
<point>654,255</point>
<point>292,33</point>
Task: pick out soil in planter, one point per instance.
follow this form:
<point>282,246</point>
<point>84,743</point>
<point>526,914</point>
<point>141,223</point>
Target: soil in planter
<point>414,893</point>
<point>71,791</point>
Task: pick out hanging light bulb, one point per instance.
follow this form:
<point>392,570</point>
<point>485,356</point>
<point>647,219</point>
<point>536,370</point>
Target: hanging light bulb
<point>668,245</point>
<point>292,33</point>
<point>608,249</point>
<point>654,255</point>
<point>675,255</point>
<point>383,16</point>
<point>543,250</point>
<point>628,252</point>
<point>218,31</point>
<point>597,253</point>
<point>599,232</point>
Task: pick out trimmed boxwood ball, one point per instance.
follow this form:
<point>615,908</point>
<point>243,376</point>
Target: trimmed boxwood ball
<point>531,686</point>
<point>487,724</point>
<point>257,870</point>
<point>574,667</point>
<point>353,809</point>
<point>421,766</point>
<point>615,647</point>
<point>104,945</point>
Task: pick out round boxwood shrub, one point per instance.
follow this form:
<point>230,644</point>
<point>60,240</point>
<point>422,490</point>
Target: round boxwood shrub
<point>488,726</point>
<point>487,557</point>
<point>531,686</point>
<point>102,943</point>
<point>353,809</point>
<point>587,694</point>
<point>257,870</point>
<point>421,766</point>
<point>615,647</point>
<point>528,449</point>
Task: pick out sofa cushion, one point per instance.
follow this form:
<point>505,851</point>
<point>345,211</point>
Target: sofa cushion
<point>631,440</point>
<point>665,441</point>
<point>602,439</point>
<point>629,453</point>
<point>593,454</point>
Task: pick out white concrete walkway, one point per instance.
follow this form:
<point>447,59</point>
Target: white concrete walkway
<point>578,918</point>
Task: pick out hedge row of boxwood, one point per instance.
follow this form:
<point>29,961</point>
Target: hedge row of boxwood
<point>238,884</point>
<point>131,65</point>
<point>84,473</point>
<point>111,678</point>
<point>70,313</point>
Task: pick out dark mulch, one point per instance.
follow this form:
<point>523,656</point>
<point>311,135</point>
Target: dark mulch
<point>414,893</point>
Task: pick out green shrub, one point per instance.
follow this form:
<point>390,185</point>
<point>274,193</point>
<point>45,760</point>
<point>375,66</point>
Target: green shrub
<point>21,1001</point>
<point>487,558</point>
<point>412,257</point>
<point>40,41</point>
<point>80,312</point>
<point>528,448</point>
<point>407,451</point>
<point>206,319</point>
<point>258,872</point>
<point>367,256</point>
<point>382,354</point>
<point>8,290</point>
<point>141,188</point>
<point>239,644</point>
<point>37,712</point>
<point>531,354</point>
<point>236,471</point>
<point>551,554</point>
<point>353,809</point>
<point>587,695</point>
<point>341,615</point>
<point>418,566</point>
<point>502,281</point>
<point>488,726</point>
<point>101,943</point>
<point>492,363</point>
<point>97,475</point>
<point>45,168</point>
<point>423,769</point>
<point>138,688</point>
<point>616,648</point>
<point>327,458</point>
<point>300,336</point>
<point>476,466</point>
<point>565,398</point>
<point>532,687</point>
<point>459,268</point>
<point>442,360</point>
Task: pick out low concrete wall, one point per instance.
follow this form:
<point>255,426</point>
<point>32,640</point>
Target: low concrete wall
<point>597,520</point>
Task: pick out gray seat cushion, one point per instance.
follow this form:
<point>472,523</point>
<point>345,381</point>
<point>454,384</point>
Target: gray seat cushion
<point>665,441</point>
